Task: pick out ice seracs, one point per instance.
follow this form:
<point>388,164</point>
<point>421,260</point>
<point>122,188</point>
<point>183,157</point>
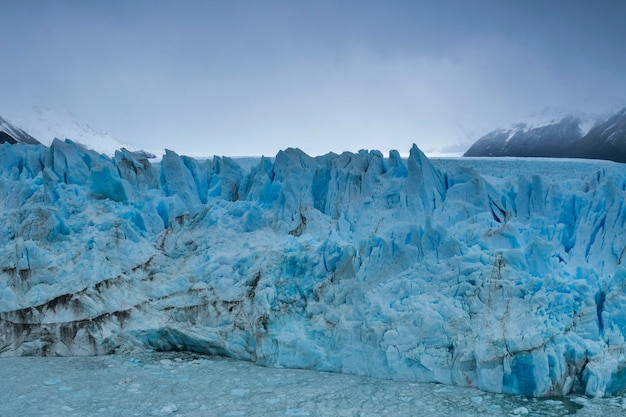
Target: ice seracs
<point>354,263</point>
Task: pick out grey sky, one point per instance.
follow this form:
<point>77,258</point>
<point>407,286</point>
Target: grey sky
<point>254,77</point>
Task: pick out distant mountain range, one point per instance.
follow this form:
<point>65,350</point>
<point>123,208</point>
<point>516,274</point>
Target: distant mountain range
<point>565,138</point>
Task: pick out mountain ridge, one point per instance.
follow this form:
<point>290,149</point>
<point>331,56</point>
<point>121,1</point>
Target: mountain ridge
<point>9,133</point>
<point>564,138</point>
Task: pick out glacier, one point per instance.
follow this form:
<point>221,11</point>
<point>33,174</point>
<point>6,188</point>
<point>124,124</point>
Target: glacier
<point>511,282</point>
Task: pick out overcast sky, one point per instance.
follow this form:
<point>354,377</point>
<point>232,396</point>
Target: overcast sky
<point>254,77</point>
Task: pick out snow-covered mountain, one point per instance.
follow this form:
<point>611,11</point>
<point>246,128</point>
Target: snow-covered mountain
<point>46,124</point>
<point>9,133</point>
<point>606,140</point>
<point>352,263</point>
<point>568,137</point>
<point>550,140</point>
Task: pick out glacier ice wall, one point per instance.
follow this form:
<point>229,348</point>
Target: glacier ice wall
<point>353,263</point>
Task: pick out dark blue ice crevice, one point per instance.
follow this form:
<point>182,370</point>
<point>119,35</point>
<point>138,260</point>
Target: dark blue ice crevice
<point>594,233</point>
<point>600,299</point>
<point>319,189</point>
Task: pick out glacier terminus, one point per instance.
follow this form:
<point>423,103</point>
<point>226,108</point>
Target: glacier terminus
<point>359,263</point>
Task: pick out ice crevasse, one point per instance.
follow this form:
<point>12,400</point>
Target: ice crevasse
<point>354,263</point>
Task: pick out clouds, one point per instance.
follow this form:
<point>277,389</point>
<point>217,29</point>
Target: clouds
<point>254,77</point>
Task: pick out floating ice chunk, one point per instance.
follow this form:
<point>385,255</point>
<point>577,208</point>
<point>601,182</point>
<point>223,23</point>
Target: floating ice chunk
<point>239,392</point>
<point>167,409</point>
